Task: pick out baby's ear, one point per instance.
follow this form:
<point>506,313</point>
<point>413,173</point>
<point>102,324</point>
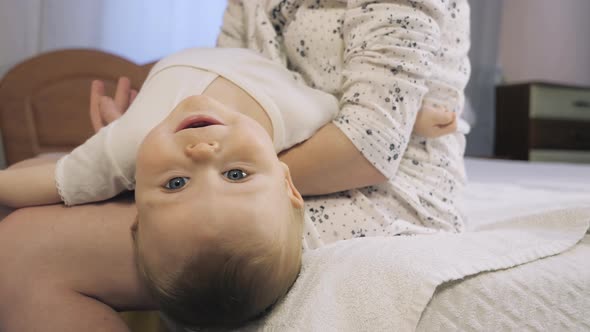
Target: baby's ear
<point>293,193</point>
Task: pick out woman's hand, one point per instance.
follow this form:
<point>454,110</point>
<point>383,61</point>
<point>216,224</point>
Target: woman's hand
<point>104,109</point>
<point>433,122</point>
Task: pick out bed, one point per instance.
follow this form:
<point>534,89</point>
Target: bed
<point>43,108</point>
<point>551,294</point>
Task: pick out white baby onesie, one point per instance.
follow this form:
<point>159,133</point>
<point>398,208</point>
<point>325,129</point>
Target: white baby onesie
<point>104,165</point>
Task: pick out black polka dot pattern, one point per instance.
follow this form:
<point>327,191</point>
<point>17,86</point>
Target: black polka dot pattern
<point>383,60</point>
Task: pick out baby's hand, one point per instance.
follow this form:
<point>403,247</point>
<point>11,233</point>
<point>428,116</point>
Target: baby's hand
<point>104,109</point>
<point>433,122</point>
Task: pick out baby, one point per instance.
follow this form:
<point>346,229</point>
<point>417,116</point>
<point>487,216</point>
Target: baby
<point>219,223</point>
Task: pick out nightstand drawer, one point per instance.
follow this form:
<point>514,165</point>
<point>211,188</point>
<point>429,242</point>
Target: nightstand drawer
<point>559,134</point>
<point>552,102</point>
<point>568,156</point>
<point>542,121</point>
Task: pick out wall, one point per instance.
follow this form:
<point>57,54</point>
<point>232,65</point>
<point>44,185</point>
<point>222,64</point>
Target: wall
<point>546,40</point>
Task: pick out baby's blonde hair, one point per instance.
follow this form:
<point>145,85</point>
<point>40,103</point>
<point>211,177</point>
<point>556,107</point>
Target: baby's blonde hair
<point>231,282</point>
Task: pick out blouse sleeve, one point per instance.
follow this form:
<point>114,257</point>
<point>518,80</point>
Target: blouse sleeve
<point>233,31</point>
<point>389,50</point>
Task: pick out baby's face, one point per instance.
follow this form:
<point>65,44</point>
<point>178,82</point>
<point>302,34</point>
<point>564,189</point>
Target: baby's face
<point>207,173</point>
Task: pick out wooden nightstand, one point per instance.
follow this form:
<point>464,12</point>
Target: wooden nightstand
<point>543,122</point>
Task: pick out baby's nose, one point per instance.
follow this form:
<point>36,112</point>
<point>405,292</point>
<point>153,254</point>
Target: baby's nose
<point>202,150</point>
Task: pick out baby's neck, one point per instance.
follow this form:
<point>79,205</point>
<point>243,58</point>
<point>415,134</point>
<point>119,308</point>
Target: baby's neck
<point>234,97</point>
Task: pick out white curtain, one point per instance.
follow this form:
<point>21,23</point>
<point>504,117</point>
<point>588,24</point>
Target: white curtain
<point>140,30</point>
<point>19,27</point>
<point>146,30</point>
<point>485,27</point>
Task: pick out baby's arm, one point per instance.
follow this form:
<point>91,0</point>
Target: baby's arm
<point>35,184</point>
<point>27,186</point>
<point>434,122</point>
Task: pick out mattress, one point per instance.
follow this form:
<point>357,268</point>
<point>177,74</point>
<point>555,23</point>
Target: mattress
<point>499,189</point>
<point>550,294</point>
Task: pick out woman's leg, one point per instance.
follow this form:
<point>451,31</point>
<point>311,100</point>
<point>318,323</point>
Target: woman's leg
<point>65,269</point>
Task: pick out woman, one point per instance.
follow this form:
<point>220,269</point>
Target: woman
<point>381,58</point>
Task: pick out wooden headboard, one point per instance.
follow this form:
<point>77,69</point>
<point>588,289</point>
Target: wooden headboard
<point>44,100</point>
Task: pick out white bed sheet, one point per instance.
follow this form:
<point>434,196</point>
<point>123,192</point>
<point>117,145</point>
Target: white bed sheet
<point>560,176</point>
<point>551,294</point>
<point>500,189</point>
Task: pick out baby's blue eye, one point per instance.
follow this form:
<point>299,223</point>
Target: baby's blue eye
<point>235,174</point>
<point>176,183</point>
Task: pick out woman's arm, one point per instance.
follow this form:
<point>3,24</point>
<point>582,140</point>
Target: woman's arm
<point>233,33</point>
<point>389,55</point>
<point>328,162</point>
<point>386,64</point>
<point>28,186</point>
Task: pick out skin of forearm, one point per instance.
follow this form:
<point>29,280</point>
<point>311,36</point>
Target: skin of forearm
<point>28,186</point>
<point>328,162</point>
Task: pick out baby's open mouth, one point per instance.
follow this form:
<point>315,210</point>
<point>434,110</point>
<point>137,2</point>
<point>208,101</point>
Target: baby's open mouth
<point>198,121</point>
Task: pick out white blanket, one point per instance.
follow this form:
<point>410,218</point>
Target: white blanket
<point>386,283</point>
<point>549,294</point>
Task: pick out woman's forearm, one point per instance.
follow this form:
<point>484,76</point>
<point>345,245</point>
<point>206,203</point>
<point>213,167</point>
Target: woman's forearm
<point>28,186</point>
<point>328,162</point>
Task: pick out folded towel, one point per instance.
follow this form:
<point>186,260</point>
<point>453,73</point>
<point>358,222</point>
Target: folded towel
<point>383,283</point>
<point>549,294</point>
